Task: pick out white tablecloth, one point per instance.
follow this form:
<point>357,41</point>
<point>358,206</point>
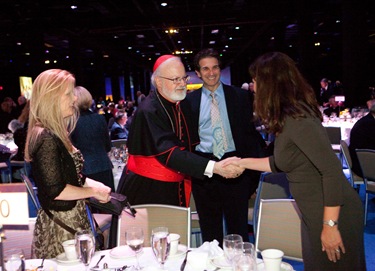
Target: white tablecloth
<point>146,260</point>
<point>345,127</point>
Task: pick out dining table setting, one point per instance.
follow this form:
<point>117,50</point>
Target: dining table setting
<point>79,254</point>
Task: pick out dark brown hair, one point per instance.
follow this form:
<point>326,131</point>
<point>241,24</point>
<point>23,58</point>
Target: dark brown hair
<point>281,91</point>
<point>209,52</point>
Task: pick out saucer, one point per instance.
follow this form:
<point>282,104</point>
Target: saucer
<point>122,252</point>
<point>61,258</point>
<point>32,264</point>
<point>284,267</point>
<point>181,250</point>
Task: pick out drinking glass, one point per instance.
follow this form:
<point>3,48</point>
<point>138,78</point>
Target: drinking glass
<point>134,239</point>
<point>85,246</point>
<point>244,257</point>
<point>244,262</point>
<point>14,260</point>
<point>229,243</point>
<point>160,244</point>
<point>245,248</point>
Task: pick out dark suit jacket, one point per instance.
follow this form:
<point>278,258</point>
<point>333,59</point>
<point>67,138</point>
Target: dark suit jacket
<point>91,137</point>
<point>247,140</point>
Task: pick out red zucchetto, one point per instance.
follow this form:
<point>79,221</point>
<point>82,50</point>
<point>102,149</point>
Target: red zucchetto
<point>160,60</point>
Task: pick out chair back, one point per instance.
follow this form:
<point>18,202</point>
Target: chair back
<point>334,135</point>
<point>366,158</point>
<point>271,186</point>
<point>279,227</point>
<point>354,179</point>
<point>346,154</point>
<point>118,142</point>
<point>31,190</point>
<point>149,216</point>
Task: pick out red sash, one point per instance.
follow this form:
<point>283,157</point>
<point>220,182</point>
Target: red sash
<point>150,167</point>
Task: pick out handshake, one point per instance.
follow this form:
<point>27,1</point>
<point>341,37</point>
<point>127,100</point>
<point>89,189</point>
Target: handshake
<point>229,167</point>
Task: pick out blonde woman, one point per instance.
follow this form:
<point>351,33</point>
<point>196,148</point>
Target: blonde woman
<point>56,164</point>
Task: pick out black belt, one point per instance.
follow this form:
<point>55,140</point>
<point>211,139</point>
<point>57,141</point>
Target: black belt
<point>213,157</point>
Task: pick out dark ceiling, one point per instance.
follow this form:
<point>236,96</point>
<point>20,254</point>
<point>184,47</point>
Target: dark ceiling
<point>133,33</point>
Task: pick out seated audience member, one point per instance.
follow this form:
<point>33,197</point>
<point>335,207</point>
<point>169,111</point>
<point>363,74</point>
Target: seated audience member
<point>19,129</point>
<point>362,136</point>
<point>118,130</point>
<point>333,107</point>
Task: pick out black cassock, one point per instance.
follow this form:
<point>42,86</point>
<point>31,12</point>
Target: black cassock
<point>160,162</point>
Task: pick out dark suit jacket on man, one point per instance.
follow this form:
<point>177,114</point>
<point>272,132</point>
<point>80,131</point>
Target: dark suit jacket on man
<point>216,194</point>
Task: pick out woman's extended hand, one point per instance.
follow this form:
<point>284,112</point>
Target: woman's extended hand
<point>332,243</point>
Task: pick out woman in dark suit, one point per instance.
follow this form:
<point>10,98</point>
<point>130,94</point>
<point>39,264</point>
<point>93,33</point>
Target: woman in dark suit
<point>91,137</point>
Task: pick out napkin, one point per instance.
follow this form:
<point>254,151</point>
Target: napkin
<point>12,146</point>
<point>212,248</point>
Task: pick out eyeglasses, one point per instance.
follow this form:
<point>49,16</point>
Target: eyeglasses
<point>177,80</point>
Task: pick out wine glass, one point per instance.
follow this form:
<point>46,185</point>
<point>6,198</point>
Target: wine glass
<point>244,257</point>
<point>229,243</point>
<point>85,246</point>
<point>160,244</point>
<point>14,260</point>
<point>134,239</point>
<point>244,262</point>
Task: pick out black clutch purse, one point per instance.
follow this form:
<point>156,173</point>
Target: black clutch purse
<point>115,206</point>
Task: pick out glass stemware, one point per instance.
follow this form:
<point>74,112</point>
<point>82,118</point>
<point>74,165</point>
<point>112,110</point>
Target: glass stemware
<point>229,243</point>
<point>134,239</point>
<point>160,244</point>
<point>85,246</point>
<point>244,257</point>
<point>14,260</point>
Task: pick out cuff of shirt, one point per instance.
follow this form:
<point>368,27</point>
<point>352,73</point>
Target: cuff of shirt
<point>209,171</point>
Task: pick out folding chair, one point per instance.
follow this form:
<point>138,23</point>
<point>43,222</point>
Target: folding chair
<point>148,216</point>
<point>279,227</point>
<point>366,160</point>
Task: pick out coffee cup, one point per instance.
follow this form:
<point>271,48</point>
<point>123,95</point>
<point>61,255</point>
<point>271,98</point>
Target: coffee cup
<point>272,259</point>
<point>70,249</point>
<point>174,239</point>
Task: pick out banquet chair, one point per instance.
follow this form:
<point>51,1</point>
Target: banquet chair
<point>354,179</point>
<point>334,135</point>
<point>118,142</point>
<point>366,158</point>
<point>196,234</point>
<point>149,216</point>
<point>271,186</point>
<point>32,190</point>
<point>279,227</point>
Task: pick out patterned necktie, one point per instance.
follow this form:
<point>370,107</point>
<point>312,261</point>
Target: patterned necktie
<point>220,144</point>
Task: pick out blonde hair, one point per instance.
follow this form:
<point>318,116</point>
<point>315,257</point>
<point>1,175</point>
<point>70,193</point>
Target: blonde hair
<point>84,98</point>
<point>48,91</point>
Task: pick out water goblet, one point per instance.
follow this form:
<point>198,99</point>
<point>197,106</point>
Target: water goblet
<point>85,246</point>
<point>134,239</point>
<point>160,244</point>
<point>244,262</point>
<point>229,243</point>
<point>14,260</point>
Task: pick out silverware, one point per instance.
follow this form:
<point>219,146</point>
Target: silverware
<point>97,264</point>
<point>40,267</point>
<point>182,268</point>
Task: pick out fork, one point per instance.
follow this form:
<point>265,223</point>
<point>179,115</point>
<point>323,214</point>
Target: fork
<point>40,267</point>
<point>97,264</point>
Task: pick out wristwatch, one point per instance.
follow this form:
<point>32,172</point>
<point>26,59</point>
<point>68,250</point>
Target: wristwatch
<point>330,222</point>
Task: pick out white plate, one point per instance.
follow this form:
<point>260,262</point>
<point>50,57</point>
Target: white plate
<point>284,267</point>
<point>122,252</point>
<point>181,250</point>
<point>61,258</point>
<point>48,265</point>
<point>221,262</point>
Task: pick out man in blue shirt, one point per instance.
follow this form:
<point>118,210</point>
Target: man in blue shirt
<point>217,197</point>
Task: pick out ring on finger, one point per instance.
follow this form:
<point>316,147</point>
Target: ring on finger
<point>337,250</point>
